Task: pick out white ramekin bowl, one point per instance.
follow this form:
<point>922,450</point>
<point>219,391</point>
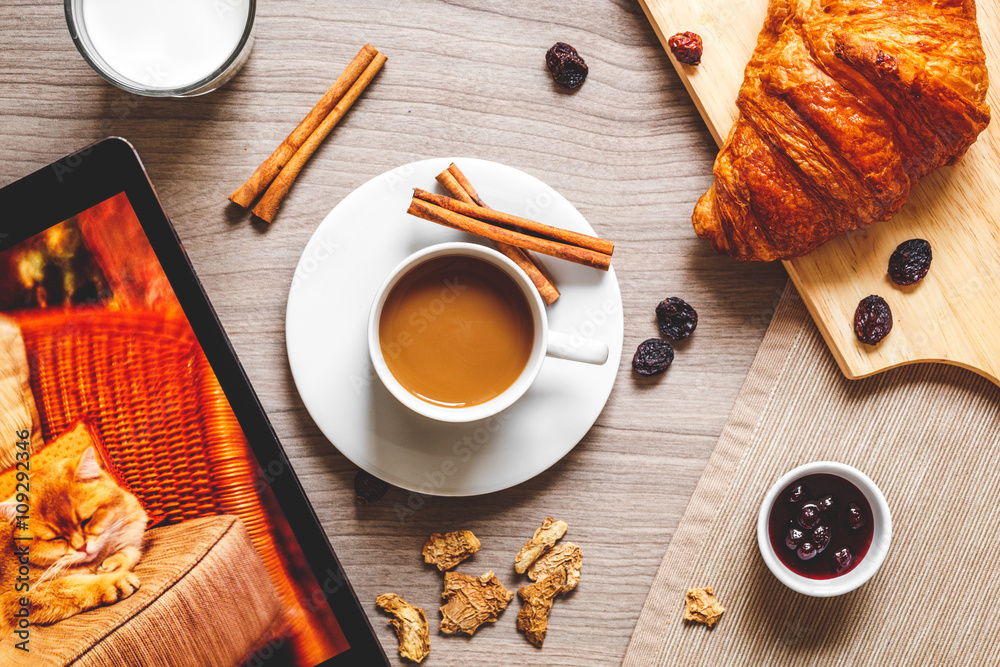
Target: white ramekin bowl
<point>870,563</point>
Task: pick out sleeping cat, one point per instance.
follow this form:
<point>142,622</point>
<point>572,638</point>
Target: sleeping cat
<point>87,534</point>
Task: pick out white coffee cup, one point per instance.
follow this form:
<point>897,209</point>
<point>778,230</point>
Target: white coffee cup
<point>545,343</point>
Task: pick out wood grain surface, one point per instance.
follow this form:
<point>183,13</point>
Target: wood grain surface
<point>463,78</point>
<point>949,317</point>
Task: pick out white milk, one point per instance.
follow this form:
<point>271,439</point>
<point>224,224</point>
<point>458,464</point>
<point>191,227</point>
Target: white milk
<point>165,43</point>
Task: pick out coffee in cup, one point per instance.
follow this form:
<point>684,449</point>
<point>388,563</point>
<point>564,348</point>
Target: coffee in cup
<point>456,331</point>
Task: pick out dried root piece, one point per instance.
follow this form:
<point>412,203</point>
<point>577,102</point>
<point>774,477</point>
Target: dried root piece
<point>533,619</point>
<point>566,557</point>
<point>540,542</point>
<point>446,550</point>
<point>411,626</point>
<point>702,607</point>
<point>471,601</point>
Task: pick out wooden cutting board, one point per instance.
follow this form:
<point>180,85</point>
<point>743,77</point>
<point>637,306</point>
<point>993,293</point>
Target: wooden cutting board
<point>953,315</point>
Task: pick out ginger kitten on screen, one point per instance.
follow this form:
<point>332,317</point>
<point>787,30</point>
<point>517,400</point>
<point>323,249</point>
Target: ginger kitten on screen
<point>87,534</point>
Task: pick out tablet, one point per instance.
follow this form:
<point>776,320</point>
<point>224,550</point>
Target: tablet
<point>139,465</point>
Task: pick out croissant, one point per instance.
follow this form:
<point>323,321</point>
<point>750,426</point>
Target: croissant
<point>845,105</point>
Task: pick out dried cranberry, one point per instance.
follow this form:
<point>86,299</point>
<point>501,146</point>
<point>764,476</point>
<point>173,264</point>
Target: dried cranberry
<point>855,517</point>
<point>806,551</point>
<point>821,537</point>
<point>676,318</point>
<point>686,47</point>
<point>910,262</point>
<point>809,515</point>
<point>827,504</point>
<point>652,357</point>
<point>368,488</point>
<point>794,538</point>
<point>566,65</point>
<point>843,558</point>
<point>872,320</point>
<point>797,495</point>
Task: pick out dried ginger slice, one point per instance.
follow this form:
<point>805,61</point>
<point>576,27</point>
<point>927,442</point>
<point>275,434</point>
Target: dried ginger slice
<point>471,601</point>
<point>702,607</point>
<point>540,542</point>
<point>410,624</point>
<point>567,557</point>
<point>446,550</point>
<point>533,618</point>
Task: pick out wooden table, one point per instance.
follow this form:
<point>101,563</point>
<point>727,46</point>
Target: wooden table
<point>464,78</point>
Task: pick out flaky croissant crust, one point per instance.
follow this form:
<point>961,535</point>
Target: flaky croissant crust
<point>844,106</point>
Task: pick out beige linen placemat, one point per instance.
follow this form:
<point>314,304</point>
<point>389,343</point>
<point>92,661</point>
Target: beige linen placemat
<point>928,434</point>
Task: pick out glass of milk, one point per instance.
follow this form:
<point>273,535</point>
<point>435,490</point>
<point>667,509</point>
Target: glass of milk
<point>163,48</point>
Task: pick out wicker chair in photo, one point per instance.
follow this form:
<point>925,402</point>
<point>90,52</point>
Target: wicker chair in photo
<point>143,382</point>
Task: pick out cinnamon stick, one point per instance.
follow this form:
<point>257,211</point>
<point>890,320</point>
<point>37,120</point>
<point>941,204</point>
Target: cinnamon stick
<point>454,188</point>
<point>523,225</point>
<point>258,182</point>
<point>466,185</point>
<point>454,181</point>
<point>268,205</point>
<point>429,211</point>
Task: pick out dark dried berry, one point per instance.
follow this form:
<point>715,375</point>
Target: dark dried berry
<point>827,504</point>
<point>797,494</point>
<point>806,551</point>
<point>855,517</point>
<point>368,488</point>
<point>677,319</point>
<point>872,320</point>
<point>794,538</point>
<point>566,65</point>
<point>809,515</point>
<point>652,357</point>
<point>821,537</point>
<point>910,262</point>
<point>843,559</point>
<point>686,47</point>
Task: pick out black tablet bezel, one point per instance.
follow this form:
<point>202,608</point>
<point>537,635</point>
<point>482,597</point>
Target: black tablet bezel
<point>84,179</point>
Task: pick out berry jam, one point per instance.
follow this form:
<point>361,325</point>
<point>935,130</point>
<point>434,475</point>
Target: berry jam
<point>821,526</point>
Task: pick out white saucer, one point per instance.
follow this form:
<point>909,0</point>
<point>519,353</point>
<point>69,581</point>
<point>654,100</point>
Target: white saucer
<point>344,263</point>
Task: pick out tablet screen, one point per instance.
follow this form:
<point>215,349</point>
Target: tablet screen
<point>128,474</point>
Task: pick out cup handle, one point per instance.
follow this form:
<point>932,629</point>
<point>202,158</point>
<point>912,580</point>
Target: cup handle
<point>576,348</point>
